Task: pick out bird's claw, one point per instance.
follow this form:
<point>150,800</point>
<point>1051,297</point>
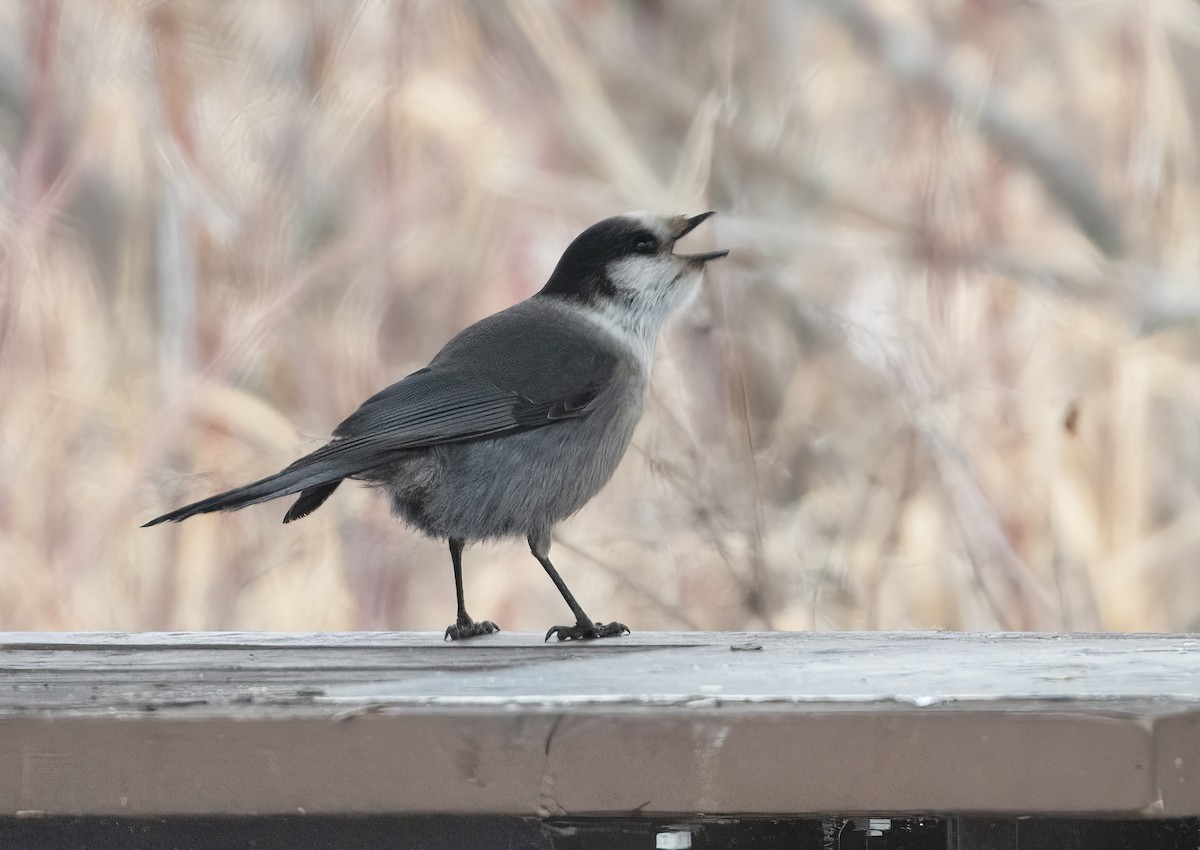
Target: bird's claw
<point>470,628</point>
<point>587,631</point>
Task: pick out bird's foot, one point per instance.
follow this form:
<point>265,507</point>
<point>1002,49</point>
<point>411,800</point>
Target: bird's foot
<point>587,630</point>
<point>466,628</point>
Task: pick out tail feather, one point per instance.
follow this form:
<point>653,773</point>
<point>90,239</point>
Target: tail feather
<point>315,476</point>
<point>310,500</point>
<point>291,480</point>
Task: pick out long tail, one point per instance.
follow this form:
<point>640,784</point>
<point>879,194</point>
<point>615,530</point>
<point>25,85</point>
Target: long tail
<point>317,482</point>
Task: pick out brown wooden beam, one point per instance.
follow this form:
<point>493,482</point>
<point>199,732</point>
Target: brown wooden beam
<point>795,723</point>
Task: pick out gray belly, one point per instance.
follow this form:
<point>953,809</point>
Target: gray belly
<point>515,484</point>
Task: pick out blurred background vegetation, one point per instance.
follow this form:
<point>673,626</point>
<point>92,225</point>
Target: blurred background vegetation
<point>949,376</point>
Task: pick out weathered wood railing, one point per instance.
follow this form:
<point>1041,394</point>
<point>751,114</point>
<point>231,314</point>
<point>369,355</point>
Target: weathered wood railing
<point>674,726</point>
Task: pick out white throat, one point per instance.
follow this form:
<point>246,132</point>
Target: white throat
<point>649,292</point>
<point>637,332</point>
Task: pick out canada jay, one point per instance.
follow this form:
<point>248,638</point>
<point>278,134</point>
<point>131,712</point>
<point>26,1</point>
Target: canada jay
<point>521,418</point>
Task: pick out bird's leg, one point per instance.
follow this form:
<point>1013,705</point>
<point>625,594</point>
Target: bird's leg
<point>584,628</point>
<point>465,627</point>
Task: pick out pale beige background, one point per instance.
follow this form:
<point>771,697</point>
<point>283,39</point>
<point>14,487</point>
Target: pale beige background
<point>947,378</point>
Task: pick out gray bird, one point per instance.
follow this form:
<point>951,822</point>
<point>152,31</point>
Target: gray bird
<point>521,418</point>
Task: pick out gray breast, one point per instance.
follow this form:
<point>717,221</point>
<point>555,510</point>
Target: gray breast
<point>531,480</point>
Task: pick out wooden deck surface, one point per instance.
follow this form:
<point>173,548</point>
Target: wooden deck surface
<point>796,723</point>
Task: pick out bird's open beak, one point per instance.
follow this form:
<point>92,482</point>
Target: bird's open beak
<point>690,224</point>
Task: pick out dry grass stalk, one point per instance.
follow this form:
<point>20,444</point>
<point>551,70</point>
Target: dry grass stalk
<point>947,379</point>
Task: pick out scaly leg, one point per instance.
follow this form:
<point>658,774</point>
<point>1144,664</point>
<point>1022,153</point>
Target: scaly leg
<point>465,627</point>
<point>584,628</point>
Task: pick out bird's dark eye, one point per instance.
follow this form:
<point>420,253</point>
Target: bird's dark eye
<point>646,245</point>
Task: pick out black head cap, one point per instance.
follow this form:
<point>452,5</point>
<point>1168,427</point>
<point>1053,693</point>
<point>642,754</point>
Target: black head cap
<point>582,273</point>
